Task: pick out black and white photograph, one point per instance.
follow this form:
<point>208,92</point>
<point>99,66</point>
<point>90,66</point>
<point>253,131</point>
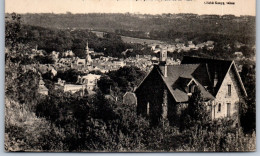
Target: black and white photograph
<point>130,76</point>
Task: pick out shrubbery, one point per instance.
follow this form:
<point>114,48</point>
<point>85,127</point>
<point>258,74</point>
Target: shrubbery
<point>24,131</point>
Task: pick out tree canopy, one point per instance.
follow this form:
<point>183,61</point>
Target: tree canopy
<point>124,79</point>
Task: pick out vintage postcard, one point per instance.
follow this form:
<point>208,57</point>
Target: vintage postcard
<point>130,76</point>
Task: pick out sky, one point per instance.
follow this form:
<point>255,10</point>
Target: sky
<point>241,7</point>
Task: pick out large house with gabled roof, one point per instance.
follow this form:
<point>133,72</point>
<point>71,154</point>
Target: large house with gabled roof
<point>166,90</point>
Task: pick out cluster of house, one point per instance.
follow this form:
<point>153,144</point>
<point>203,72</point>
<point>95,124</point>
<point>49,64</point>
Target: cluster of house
<point>103,63</point>
<point>85,65</point>
<point>179,47</point>
<point>84,83</point>
<point>146,62</point>
<point>167,89</point>
<point>69,53</point>
<point>106,64</point>
<point>69,61</point>
<point>36,52</point>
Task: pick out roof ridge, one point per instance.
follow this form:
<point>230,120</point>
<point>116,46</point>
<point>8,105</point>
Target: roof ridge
<point>209,58</point>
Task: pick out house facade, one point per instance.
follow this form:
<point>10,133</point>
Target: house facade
<point>166,90</point>
<point>228,96</point>
<point>89,81</point>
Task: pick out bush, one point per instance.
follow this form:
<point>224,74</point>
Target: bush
<point>24,131</point>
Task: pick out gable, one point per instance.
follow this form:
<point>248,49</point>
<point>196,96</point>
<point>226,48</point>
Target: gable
<point>153,77</point>
<point>232,78</point>
<point>230,90</point>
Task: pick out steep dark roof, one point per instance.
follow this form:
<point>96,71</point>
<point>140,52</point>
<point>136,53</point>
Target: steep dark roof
<point>178,75</point>
<point>200,70</point>
<point>212,67</point>
<point>175,71</point>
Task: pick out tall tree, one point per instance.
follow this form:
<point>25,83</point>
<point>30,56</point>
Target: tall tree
<point>196,113</point>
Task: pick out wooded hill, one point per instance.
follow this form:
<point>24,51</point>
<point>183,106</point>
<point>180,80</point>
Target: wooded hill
<point>165,26</point>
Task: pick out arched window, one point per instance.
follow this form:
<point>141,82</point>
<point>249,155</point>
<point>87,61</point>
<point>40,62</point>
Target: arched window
<point>219,107</point>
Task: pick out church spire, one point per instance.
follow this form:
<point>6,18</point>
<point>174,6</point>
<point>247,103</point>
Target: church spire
<point>88,57</point>
<point>87,49</point>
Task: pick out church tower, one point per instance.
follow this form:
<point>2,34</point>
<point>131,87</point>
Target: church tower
<point>88,57</point>
<point>163,59</point>
<point>163,55</point>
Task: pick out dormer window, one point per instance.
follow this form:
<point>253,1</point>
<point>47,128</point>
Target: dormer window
<point>192,87</point>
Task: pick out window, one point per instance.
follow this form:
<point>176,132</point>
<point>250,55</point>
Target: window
<point>148,108</point>
<point>229,90</point>
<point>219,107</point>
<point>192,88</point>
<point>228,109</point>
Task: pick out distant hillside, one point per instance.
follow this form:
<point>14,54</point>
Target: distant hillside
<point>160,27</point>
<point>61,32</point>
<point>227,24</point>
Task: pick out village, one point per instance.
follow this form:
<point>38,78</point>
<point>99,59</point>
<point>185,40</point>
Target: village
<point>96,62</point>
<point>87,65</point>
<point>95,65</point>
<point>130,87</point>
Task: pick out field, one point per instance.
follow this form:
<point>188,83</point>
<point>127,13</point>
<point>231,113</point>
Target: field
<point>128,39</point>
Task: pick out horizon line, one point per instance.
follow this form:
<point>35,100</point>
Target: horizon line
<point>134,13</point>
